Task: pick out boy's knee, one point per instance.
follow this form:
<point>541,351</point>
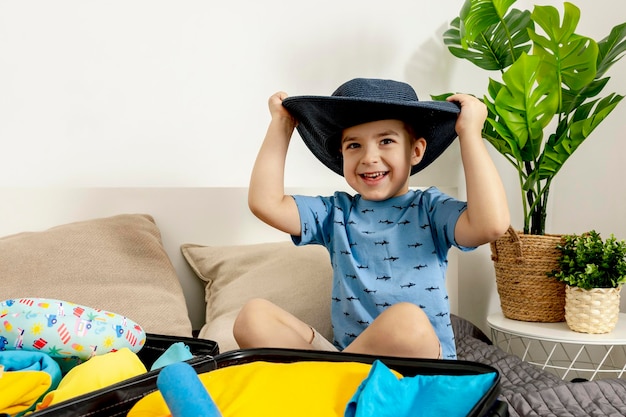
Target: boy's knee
<point>417,320</point>
<point>255,306</point>
<point>410,324</point>
<point>405,312</point>
<point>252,311</point>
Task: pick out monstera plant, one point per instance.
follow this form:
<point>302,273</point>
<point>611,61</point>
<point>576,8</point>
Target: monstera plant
<point>546,97</point>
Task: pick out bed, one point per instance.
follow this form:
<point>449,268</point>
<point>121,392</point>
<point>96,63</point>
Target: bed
<point>530,391</point>
<point>182,261</point>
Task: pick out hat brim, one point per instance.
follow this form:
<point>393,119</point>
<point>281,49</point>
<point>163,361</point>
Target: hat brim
<point>322,119</point>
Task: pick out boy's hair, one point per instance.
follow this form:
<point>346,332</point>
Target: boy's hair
<point>413,131</point>
<point>321,119</point>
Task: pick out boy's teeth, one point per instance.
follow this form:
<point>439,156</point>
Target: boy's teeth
<point>373,175</point>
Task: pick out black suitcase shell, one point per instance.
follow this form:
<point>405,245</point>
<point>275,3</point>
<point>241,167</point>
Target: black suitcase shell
<point>118,399</point>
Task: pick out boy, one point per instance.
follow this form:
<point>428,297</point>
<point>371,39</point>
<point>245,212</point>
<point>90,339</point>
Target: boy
<point>388,244</point>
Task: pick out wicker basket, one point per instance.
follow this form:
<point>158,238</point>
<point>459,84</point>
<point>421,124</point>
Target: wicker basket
<point>526,292</point>
<point>592,311</point>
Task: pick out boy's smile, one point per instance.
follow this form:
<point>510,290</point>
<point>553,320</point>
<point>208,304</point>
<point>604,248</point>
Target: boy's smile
<point>378,156</point>
<point>374,176</point>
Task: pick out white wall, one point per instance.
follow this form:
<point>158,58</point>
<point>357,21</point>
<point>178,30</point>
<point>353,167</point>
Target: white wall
<point>165,93</point>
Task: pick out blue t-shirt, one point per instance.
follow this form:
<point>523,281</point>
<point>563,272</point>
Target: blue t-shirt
<point>382,253</point>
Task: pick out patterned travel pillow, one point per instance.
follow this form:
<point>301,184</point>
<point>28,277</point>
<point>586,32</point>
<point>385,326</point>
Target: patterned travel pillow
<point>68,332</point>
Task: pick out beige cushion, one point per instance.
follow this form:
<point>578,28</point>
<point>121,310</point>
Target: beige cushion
<point>297,279</point>
<point>116,264</point>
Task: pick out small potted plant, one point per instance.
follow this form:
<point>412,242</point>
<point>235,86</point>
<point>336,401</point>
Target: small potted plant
<point>593,271</point>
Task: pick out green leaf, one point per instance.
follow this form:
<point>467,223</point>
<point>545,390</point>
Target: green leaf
<point>611,49</point>
<point>573,99</point>
<point>526,104</point>
<point>478,15</point>
<point>440,97</point>
<point>584,121</point>
<point>497,133</point>
<point>497,47</point>
<point>563,52</point>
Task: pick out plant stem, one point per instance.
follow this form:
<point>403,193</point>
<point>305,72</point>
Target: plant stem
<point>544,208</point>
<point>527,198</point>
<point>539,209</point>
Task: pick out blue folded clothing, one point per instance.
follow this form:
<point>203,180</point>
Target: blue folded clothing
<point>23,360</point>
<point>382,394</point>
<point>177,352</point>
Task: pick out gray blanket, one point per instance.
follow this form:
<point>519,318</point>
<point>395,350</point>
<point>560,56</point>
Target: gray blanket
<point>529,391</point>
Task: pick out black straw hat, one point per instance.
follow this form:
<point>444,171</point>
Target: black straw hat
<point>321,119</point>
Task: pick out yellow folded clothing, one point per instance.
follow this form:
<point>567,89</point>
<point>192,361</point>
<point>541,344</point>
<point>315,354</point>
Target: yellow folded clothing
<point>26,378</point>
<point>21,389</point>
<point>276,389</point>
<point>98,372</point>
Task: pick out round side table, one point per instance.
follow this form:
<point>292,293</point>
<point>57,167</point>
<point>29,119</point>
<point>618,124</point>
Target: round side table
<point>557,348</point>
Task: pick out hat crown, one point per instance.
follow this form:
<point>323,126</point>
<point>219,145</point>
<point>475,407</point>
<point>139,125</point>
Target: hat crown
<point>377,89</point>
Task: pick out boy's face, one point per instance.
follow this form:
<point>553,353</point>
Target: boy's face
<point>378,156</point>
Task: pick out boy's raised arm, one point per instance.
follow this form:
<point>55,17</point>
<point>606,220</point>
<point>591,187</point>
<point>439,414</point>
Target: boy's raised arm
<point>487,215</point>
<point>266,195</point>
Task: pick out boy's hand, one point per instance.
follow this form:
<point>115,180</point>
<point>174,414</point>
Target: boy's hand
<point>277,110</point>
<point>473,114</point>
<point>266,194</point>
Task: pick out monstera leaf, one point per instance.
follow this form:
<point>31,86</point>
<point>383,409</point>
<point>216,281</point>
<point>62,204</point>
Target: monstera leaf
<point>497,46</point>
<point>611,49</point>
<point>526,104</point>
<point>571,57</point>
<point>478,15</point>
<point>585,119</point>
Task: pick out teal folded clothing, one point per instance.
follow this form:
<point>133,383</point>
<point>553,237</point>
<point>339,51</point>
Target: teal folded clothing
<point>382,394</point>
<point>22,360</point>
<point>177,352</point>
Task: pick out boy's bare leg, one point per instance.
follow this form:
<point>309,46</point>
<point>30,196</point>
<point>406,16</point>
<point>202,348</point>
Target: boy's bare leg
<point>261,323</point>
<point>401,330</point>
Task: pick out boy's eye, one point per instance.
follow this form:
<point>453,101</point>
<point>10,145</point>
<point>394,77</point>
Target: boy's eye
<point>386,141</point>
<point>352,145</point>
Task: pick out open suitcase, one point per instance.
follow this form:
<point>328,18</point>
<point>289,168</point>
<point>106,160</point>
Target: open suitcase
<point>118,399</point>
<point>488,406</point>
